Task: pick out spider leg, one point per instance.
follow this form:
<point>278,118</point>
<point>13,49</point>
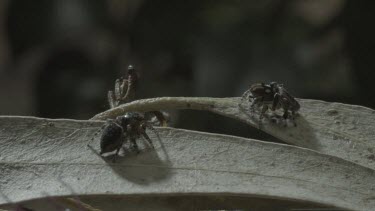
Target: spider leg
<point>148,125</point>
<point>264,109</point>
<point>245,95</point>
<point>143,132</point>
<point>130,92</point>
<point>123,88</point>
<point>255,102</point>
<point>286,114</point>
<point>123,140</point>
<point>148,139</point>
<point>293,117</point>
<point>117,89</point>
<point>134,145</point>
<point>286,106</point>
<point>275,102</point>
<point>160,117</point>
<point>111,99</point>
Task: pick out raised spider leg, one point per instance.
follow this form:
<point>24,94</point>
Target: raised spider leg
<point>123,88</point>
<point>111,99</point>
<point>130,93</point>
<point>132,81</point>
<point>117,89</point>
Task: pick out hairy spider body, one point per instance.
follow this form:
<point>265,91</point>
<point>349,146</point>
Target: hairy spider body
<point>130,126</point>
<point>260,95</point>
<point>271,96</point>
<point>284,100</point>
<point>136,125</point>
<point>112,137</point>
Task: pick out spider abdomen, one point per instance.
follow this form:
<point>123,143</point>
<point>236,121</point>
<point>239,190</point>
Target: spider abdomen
<point>112,138</point>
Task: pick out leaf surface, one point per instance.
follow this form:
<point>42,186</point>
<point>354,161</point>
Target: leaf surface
<point>43,157</point>
<point>345,131</point>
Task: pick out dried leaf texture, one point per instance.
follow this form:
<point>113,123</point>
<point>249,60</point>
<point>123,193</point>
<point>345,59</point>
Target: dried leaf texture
<point>345,131</point>
<point>42,157</point>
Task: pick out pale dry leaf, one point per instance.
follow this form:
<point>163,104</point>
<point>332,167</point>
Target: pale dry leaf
<point>42,157</point>
<point>345,131</point>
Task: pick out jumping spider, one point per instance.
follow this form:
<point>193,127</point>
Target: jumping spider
<point>130,127</point>
<point>272,96</point>
<point>124,89</point>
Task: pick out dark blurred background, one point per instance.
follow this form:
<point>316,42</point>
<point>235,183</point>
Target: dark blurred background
<point>58,58</point>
